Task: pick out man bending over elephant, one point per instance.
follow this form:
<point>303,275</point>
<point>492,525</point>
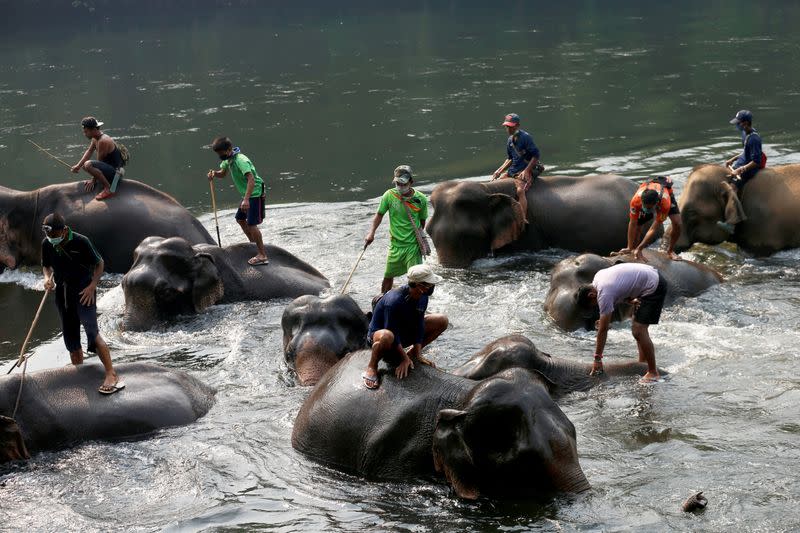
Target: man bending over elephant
<point>399,328</point>
<point>72,267</point>
<point>642,285</point>
<point>522,163</point>
<point>654,199</point>
<point>108,165</point>
<point>408,210</point>
<point>251,211</point>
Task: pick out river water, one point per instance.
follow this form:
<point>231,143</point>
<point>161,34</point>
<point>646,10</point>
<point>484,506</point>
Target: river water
<point>327,101</point>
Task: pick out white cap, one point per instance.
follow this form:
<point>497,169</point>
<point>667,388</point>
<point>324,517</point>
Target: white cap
<point>423,274</point>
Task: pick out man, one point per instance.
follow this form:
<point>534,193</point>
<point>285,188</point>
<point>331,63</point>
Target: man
<point>522,162</point>
<point>744,166</point>
<point>73,267</point>
<point>251,211</point>
<point>653,201</point>
<point>404,248</point>
<point>641,285</point>
<point>108,164</point>
<point>399,328</point>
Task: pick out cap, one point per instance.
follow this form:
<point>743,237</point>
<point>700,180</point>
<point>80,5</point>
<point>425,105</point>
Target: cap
<point>423,274</point>
<point>742,116</point>
<point>91,122</point>
<point>403,174</point>
<point>53,222</point>
<point>512,119</point>
<point>650,196</point>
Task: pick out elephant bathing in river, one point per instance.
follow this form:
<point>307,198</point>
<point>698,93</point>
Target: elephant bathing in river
<point>770,204</point>
<point>684,278</point>
<point>583,214</point>
<point>317,332</point>
<point>61,407</point>
<point>501,437</point>
<point>115,226</point>
<point>170,277</point>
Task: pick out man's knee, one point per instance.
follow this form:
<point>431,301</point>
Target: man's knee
<point>383,339</point>
<point>640,331</point>
<point>675,220</point>
<point>436,322</point>
<point>87,166</point>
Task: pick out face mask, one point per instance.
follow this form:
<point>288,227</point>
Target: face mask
<point>647,210</point>
<point>430,291</point>
<point>225,157</point>
<point>402,189</point>
<point>739,127</point>
<point>55,240</point>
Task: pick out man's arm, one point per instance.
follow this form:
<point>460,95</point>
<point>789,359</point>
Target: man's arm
<point>649,237</point>
<point>502,169</point>
<point>251,184</point>
<point>49,284</point>
<point>86,155</point>
<point>602,334</point>
<point>633,230</point>
<point>221,173</point>
<point>376,221</point>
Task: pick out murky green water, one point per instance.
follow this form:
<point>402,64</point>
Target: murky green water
<point>327,101</point>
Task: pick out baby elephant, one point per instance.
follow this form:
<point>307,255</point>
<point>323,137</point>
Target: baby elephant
<point>170,277</point>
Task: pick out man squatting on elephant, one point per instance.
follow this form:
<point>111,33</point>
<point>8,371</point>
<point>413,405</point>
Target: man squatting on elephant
<point>109,160</point>
<point>399,328</point>
<point>408,211</point>
<point>72,267</point>
<point>522,163</point>
<point>654,199</point>
<point>251,211</point>
<point>646,288</point>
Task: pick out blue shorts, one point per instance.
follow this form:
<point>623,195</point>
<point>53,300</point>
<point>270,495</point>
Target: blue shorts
<point>107,170</point>
<point>73,314</point>
<point>255,214</point>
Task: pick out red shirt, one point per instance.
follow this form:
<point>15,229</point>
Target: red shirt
<point>661,208</point>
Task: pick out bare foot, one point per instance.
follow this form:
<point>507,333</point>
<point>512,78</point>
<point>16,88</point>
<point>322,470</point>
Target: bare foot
<point>650,377</point>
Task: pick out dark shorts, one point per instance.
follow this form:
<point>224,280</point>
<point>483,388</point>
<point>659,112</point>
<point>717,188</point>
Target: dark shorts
<point>255,214</point>
<point>73,315</point>
<point>649,311</point>
<point>107,170</point>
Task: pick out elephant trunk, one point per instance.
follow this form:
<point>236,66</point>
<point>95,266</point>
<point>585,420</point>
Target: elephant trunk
<point>571,479</point>
<point>12,446</point>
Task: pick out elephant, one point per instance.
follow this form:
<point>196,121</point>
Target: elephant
<point>684,278</point>
<point>115,226</point>
<point>500,437</point>
<point>171,277</point>
<point>582,214</point>
<point>317,332</point>
<point>769,210</point>
<point>61,407</point>
<point>562,375</point>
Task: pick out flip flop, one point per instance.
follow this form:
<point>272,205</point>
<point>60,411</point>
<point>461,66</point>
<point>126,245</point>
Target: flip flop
<point>650,381</point>
<point>104,195</point>
<point>370,382</point>
<point>111,389</point>
<point>255,262</point>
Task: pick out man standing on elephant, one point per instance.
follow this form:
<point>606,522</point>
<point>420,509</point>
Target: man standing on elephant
<point>108,165</point>
<point>641,285</point>
<point>408,210</point>
<point>251,211</point>
<point>72,267</point>
<point>399,328</point>
<point>745,165</point>
<point>653,201</point>
<point>522,162</point>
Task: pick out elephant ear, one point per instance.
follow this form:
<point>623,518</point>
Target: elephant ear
<point>451,454</point>
<point>12,446</point>
<point>734,212</point>
<point>507,220</point>
<point>207,288</point>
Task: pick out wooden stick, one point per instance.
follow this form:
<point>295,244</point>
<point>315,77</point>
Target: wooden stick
<point>346,283</point>
<point>214,207</point>
<point>30,332</point>
<point>51,155</point>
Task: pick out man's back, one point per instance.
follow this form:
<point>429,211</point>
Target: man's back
<point>400,314</point>
<point>626,280</point>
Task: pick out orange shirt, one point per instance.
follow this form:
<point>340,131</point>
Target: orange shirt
<point>661,208</point>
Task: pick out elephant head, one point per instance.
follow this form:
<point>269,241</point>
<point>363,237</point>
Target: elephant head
<point>508,439</point>
<point>472,219</point>
<point>706,200</point>
<point>12,447</point>
<point>20,238</point>
<point>511,351</point>
<point>317,332</point>
<point>169,277</point>
<point>561,303</point>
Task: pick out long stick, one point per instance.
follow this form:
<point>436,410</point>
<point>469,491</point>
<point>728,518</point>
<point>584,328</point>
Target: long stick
<point>51,155</point>
<point>214,207</point>
<point>30,332</point>
<point>346,283</point>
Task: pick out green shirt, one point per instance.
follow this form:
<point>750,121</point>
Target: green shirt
<point>400,228</point>
<point>240,165</point>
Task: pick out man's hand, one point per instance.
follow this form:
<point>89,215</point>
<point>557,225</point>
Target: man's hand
<point>49,284</point>
<point>402,369</point>
<point>638,255</point>
<point>635,302</point>
<point>623,251</point>
<point>87,295</point>
<point>426,361</point>
<point>88,185</point>
<point>211,174</point>
<point>368,239</point>
<point>597,368</point>
<point>736,171</point>
<point>245,205</point>
<point>525,175</point>
<point>75,169</point>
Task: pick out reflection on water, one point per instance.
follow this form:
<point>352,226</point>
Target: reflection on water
<point>327,104</point>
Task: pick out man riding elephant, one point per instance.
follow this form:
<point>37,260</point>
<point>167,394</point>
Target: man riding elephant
<point>115,227</point>
<point>170,277</point>
<point>523,163</point>
<point>472,220</point>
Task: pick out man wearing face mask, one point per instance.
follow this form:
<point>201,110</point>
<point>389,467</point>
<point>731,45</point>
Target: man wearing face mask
<point>404,248</point>
<point>399,328</point>
<point>72,267</point>
<point>744,166</point>
<point>653,200</point>
<point>252,209</point>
